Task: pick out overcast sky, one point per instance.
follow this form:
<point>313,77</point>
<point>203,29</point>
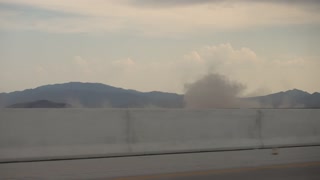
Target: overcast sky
<point>160,45</point>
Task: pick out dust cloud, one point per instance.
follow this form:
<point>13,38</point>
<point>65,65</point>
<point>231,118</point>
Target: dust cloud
<point>215,91</point>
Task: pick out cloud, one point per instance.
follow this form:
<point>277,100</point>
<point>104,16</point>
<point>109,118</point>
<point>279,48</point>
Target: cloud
<point>125,63</point>
<point>220,63</point>
<point>194,56</point>
<point>82,64</point>
<point>170,3</point>
<point>296,61</point>
<point>244,65</point>
<point>53,17</point>
<point>32,11</point>
<point>116,16</point>
<point>222,55</point>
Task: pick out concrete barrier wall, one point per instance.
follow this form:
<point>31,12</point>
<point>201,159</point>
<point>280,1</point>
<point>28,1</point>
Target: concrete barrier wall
<point>31,134</point>
<point>290,127</point>
<point>53,133</point>
<point>181,130</point>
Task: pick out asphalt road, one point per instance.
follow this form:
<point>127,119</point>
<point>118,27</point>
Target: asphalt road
<point>304,171</point>
<point>288,163</point>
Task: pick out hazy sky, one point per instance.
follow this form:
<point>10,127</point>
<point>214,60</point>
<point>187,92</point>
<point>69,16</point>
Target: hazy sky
<point>268,45</point>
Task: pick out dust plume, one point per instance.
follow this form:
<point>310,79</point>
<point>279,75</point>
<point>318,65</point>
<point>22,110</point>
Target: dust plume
<point>213,91</point>
<point>75,103</point>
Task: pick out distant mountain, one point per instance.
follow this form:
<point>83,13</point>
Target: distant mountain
<point>40,104</point>
<point>93,95</point>
<point>313,101</point>
<point>289,99</point>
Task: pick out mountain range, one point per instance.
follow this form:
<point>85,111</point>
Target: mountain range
<point>289,99</point>
<point>96,95</point>
<point>93,95</point>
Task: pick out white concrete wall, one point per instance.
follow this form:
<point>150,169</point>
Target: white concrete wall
<point>291,127</point>
<point>181,130</point>
<point>47,133</point>
<point>29,134</point>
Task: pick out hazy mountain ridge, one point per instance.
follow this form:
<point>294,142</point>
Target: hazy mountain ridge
<point>289,99</point>
<point>93,95</point>
<point>96,95</point>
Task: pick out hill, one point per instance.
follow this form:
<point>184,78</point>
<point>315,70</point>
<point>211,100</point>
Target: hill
<point>93,95</point>
<point>96,95</point>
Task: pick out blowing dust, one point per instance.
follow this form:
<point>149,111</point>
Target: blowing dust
<point>215,91</point>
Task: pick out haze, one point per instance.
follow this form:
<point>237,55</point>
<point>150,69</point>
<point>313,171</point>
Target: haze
<point>268,46</point>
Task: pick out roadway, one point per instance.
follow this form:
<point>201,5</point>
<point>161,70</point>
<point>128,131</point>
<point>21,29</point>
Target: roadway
<point>287,163</point>
<point>303,171</point>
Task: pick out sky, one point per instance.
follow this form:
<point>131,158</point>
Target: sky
<point>147,45</point>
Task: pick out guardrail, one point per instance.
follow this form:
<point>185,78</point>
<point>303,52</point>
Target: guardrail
<point>46,134</point>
